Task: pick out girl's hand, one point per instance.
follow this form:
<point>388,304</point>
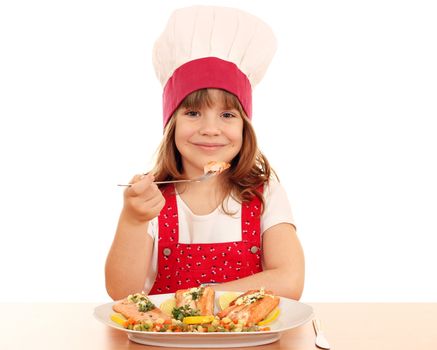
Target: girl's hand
<point>143,200</point>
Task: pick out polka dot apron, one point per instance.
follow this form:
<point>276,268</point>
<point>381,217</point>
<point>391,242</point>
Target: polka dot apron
<point>182,266</point>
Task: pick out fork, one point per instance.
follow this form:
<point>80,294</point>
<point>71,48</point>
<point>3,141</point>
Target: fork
<point>200,178</point>
<point>321,341</point>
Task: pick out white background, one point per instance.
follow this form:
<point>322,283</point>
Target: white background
<point>346,115</point>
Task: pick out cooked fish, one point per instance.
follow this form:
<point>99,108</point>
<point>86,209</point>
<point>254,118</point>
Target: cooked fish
<point>201,299</point>
<point>215,167</point>
<point>139,308</point>
<point>251,307</point>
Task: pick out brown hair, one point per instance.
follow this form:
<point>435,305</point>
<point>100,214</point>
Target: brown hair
<point>249,169</point>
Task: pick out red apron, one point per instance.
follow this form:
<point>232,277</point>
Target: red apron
<point>182,266</point>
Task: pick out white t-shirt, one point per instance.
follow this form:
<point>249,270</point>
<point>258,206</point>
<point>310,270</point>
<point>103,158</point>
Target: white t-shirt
<point>218,227</point>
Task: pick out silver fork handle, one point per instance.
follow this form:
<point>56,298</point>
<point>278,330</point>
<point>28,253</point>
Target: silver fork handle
<point>174,181</point>
<point>317,325</point>
<point>162,182</point>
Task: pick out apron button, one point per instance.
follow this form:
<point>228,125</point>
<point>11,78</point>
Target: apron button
<point>167,251</point>
<point>254,249</point>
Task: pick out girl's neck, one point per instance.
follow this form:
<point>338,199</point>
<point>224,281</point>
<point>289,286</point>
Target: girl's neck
<point>210,186</point>
<point>202,197</point>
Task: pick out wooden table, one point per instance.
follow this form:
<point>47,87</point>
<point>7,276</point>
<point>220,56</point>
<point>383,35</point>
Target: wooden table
<point>348,326</point>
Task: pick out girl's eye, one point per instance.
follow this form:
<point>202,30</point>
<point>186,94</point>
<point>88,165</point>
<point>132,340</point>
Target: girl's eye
<point>192,113</point>
<point>228,115</point>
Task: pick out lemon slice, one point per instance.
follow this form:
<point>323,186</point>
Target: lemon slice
<point>119,319</point>
<point>270,317</point>
<point>167,306</point>
<point>225,299</point>
<point>198,319</point>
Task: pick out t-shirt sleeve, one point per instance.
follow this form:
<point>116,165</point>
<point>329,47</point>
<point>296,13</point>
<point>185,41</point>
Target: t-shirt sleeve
<point>277,206</point>
<point>152,229</point>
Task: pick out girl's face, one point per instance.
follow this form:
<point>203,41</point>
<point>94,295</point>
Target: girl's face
<point>208,134</point>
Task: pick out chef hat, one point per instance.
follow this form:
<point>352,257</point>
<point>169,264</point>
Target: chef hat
<point>212,47</point>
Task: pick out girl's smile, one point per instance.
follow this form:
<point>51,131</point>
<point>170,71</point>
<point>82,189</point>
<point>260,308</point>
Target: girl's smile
<point>209,146</point>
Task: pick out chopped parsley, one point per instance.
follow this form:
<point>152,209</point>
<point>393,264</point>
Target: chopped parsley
<point>184,311</point>
<point>144,306</point>
<point>198,293</point>
<point>143,303</point>
<point>251,298</point>
<point>195,293</point>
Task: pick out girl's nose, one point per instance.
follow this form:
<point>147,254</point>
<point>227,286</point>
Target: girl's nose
<point>209,126</point>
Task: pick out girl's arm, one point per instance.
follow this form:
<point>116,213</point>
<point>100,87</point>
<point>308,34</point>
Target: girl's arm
<point>128,262</point>
<point>284,266</point>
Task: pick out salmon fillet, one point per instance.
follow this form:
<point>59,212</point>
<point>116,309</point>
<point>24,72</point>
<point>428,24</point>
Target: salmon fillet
<point>130,310</point>
<point>251,307</point>
<point>204,303</point>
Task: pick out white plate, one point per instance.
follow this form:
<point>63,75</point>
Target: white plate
<point>292,314</point>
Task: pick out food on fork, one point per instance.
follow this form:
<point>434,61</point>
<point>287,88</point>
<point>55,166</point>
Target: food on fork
<point>251,307</point>
<point>216,167</point>
<point>137,308</point>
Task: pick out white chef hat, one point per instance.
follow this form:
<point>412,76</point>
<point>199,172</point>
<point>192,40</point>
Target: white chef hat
<point>212,47</point>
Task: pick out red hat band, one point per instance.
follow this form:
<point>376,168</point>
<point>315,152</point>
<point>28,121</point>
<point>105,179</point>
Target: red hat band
<point>208,72</point>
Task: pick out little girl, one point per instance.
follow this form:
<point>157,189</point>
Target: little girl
<point>234,230</point>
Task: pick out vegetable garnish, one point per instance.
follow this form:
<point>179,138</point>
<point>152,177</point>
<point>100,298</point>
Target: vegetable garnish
<point>251,298</point>
<point>179,313</point>
<point>195,293</point>
<point>142,301</point>
<point>193,324</point>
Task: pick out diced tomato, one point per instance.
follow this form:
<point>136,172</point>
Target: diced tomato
<point>131,321</point>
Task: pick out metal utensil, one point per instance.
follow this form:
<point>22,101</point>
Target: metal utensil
<point>201,178</point>
<point>321,341</point>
